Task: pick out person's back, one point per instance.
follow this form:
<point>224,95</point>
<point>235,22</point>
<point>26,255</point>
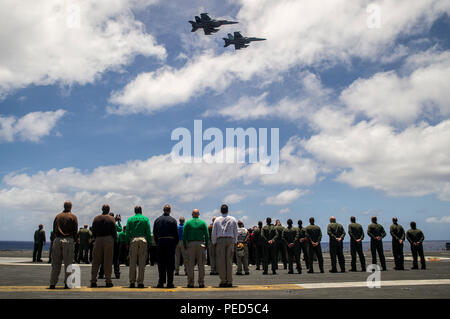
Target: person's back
<point>415,235</point>
<point>139,237</point>
<point>375,230</point>
<point>138,226</point>
<point>104,231</point>
<point>65,229</point>
<point>85,236</point>
<point>269,232</point>
<point>355,231</point>
<point>165,233</point>
<point>335,230</point>
<point>313,233</point>
<point>224,236</point>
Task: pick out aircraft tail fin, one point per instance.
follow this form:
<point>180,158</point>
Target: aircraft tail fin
<point>194,26</point>
<point>227,42</point>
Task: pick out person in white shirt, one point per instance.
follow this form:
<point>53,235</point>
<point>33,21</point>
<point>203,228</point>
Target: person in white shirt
<point>224,238</point>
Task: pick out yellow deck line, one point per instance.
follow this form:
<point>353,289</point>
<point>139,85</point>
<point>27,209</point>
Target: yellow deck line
<point>149,289</point>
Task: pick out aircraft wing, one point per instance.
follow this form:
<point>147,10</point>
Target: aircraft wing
<point>205,16</point>
<point>237,35</point>
<point>208,31</point>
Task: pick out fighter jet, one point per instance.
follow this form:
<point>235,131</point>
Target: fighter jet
<point>207,24</point>
<point>239,41</point>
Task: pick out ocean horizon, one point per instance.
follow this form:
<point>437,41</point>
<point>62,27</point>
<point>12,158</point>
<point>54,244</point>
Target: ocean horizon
<point>428,245</point>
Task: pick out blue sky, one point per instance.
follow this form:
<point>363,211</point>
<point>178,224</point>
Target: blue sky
<point>90,92</point>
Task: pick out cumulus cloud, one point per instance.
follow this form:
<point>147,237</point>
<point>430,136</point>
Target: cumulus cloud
<point>438,220</point>
<point>413,162</point>
<point>291,42</point>
<point>69,42</point>
<point>388,97</point>
<point>31,127</point>
<point>234,198</point>
<point>150,182</point>
<point>313,95</point>
<point>286,197</point>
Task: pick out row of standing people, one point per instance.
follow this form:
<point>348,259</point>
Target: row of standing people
<point>223,238</point>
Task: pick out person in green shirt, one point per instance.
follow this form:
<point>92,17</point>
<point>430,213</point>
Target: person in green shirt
<point>376,233</point>
<point>260,245</point>
<point>123,246</point>
<point>280,244</point>
<point>398,237</point>
<point>195,240</point>
<point>138,234</point>
<point>416,238</point>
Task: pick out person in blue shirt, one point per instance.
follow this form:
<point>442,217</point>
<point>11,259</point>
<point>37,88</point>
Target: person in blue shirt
<point>180,252</point>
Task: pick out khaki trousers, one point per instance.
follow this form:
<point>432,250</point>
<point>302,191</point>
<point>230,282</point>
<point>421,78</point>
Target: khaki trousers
<point>242,259</point>
<point>224,259</point>
<point>180,251</point>
<point>102,255</point>
<point>138,256</point>
<point>212,257</point>
<point>62,250</point>
<point>196,253</point>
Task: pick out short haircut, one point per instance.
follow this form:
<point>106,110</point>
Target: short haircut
<point>224,209</point>
<point>268,220</point>
<point>311,220</point>
<point>138,210</point>
<point>166,208</point>
<point>105,208</point>
<point>353,219</point>
<point>67,206</point>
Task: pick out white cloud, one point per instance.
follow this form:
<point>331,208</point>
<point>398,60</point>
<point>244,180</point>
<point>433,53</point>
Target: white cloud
<point>314,96</point>
<point>388,97</point>
<point>295,168</point>
<point>31,127</point>
<point>234,198</point>
<point>284,211</point>
<point>438,220</point>
<point>68,42</point>
<point>291,41</point>
<point>412,162</point>
<point>286,197</point>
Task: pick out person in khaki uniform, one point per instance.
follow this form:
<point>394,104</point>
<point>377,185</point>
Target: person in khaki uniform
<point>212,250</point>
<point>224,237</point>
<point>65,228</point>
<point>139,236</point>
<point>195,240</point>
<point>242,249</point>
<point>104,232</point>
